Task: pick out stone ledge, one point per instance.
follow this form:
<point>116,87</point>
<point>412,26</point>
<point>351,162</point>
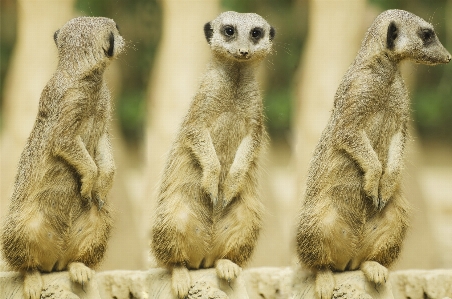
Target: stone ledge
<point>255,283</point>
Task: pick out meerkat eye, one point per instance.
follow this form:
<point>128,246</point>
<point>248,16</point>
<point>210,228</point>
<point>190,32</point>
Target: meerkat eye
<point>427,35</point>
<point>229,31</point>
<point>256,33</point>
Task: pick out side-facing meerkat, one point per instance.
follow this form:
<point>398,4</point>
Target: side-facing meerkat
<point>209,213</point>
<point>354,215</point>
<point>57,218</point>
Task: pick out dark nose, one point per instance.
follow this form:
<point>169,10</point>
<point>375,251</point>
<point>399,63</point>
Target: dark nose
<point>243,52</point>
<point>449,58</point>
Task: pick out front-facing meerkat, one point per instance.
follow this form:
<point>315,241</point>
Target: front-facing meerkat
<point>58,218</point>
<point>354,215</point>
<point>209,213</point>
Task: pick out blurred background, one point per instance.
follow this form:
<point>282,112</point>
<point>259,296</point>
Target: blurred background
<point>153,82</point>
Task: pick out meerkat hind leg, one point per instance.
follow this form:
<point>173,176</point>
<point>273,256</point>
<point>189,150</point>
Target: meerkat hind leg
<point>32,285</point>
<point>324,284</point>
<point>374,272</point>
<point>181,281</point>
<point>80,273</point>
<point>227,269</point>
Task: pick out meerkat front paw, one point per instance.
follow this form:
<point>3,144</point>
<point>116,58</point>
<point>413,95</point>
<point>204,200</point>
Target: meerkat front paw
<point>231,187</point>
<point>88,181</point>
<point>32,285</point>
<point>80,273</point>
<point>388,184</point>
<point>181,281</point>
<point>324,284</point>
<point>227,270</point>
<point>209,183</point>
<point>375,272</point>
<point>371,184</point>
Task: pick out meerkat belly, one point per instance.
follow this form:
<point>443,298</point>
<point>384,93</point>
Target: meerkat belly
<point>227,133</point>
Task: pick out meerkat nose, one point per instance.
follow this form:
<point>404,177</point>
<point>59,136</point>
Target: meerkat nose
<point>243,52</point>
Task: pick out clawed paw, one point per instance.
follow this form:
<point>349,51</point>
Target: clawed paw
<point>379,202</point>
<point>210,186</point>
<point>32,285</point>
<point>227,270</point>
<point>375,272</point>
<point>100,203</point>
<point>80,273</point>
<point>181,281</point>
<point>324,284</point>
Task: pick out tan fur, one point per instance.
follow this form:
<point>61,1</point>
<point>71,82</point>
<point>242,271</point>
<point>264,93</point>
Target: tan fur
<point>57,218</point>
<point>353,214</point>
<point>209,213</point>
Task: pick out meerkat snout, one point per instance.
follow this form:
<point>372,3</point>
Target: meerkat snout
<point>411,37</point>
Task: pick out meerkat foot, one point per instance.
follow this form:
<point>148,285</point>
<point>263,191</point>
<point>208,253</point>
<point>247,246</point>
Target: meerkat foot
<point>32,285</point>
<point>324,284</point>
<point>375,272</point>
<point>227,270</point>
<point>181,281</point>
<point>80,273</point>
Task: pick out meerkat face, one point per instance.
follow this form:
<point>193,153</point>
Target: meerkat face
<point>239,36</point>
<point>89,41</point>
<point>410,37</point>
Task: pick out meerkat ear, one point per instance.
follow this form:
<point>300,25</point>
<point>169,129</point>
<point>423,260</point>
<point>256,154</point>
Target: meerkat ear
<point>55,36</point>
<point>111,40</point>
<point>208,31</point>
<point>391,36</point>
<point>272,33</point>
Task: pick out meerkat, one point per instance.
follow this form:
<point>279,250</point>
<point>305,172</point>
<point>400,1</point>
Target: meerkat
<point>209,212</point>
<point>58,218</point>
<point>354,215</point>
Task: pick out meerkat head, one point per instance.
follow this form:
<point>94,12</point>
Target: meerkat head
<point>87,43</point>
<point>239,36</point>
<point>407,36</point>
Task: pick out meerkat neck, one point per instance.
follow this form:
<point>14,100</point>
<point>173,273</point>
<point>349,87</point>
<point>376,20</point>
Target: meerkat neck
<point>239,71</point>
<point>94,75</point>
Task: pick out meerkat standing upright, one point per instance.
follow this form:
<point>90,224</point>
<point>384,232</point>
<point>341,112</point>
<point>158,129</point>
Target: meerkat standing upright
<point>57,218</point>
<point>209,213</point>
<point>354,214</point>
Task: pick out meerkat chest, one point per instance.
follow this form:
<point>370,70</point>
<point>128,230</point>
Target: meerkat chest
<point>228,130</point>
<point>92,125</point>
<point>389,118</point>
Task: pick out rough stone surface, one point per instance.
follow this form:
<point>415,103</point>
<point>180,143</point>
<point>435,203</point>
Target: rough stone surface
<point>55,286</point>
<point>255,283</point>
<point>421,284</point>
<point>156,284</point>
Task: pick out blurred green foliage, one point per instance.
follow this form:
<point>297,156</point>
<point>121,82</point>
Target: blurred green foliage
<point>140,23</point>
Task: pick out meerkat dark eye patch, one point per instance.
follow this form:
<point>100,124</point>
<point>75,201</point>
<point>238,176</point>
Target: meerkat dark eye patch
<point>391,36</point>
<point>272,33</point>
<point>228,30</point>
<point>208,32</point>
<point>427,35</point>
<point>55,36</point>
<point>256,33</point>
<point>111,40</point>
<point>117,27</point>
